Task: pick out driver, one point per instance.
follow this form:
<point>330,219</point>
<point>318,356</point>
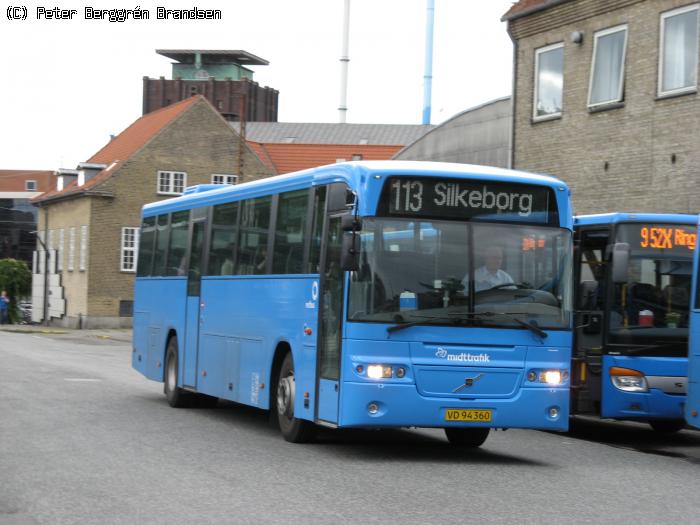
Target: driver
<point>490,274</point>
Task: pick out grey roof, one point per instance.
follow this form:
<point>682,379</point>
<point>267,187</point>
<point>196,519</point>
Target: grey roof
<point>235,55</point>
<point>333,133</point>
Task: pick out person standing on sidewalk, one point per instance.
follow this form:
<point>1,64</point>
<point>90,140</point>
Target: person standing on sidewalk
<point>4,304</point>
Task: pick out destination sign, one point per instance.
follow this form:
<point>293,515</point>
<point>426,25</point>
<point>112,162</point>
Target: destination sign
<point>655,237</point>
<point>459,199</point>
<point>666,238</point>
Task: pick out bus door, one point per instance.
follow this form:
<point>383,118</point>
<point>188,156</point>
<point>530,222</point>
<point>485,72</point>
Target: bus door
<point>194,306</point>
<point>331,312</point>
<point>589,319</point>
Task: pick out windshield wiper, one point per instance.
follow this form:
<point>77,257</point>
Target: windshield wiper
<point>427,319</point>
<point>532,327</point>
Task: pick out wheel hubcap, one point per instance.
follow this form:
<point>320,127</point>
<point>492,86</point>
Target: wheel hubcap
<point>285,396</point>
<point>172,381</point>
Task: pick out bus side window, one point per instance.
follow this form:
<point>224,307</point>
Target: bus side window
<point>222,249</point>
<point>148,235</point>
<point>319,213</point>
<point>179,227</point>
<point>252,248</point>
<point>162,240</point>
<point>288,254</point>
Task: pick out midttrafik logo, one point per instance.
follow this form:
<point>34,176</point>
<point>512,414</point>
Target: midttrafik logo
<point>464,357</point>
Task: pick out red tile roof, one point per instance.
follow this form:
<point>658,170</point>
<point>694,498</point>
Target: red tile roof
<point>524,6</point>
<point>14,180</point>
<point>286,158</point>
<point>124,145</point>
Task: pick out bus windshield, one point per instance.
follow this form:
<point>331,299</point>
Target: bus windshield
<point>652,305</point>
<point>450,272</point>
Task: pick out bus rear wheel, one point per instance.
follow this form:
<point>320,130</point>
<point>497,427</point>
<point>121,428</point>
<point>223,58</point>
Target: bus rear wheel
<point>293,429</point>
<point>176,396</point>
<point>667,426</point>
<point>466,437</point>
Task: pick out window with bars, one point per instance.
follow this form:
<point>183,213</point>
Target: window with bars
<point>83,248</point>
<point>71,249</point>
<point>219,178</point>
<point>130,239</point>
<point>171,182</point>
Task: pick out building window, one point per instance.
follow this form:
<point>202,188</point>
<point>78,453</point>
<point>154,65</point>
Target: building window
<point>71,249</point>
<point>607,72</point>
<point>223,179</point>
<point>59,255</point>
<point>679,50</point>
<point>549,81</point>
<point>30,185</point>
<point>357,156</point>
<point>171,182</point>
<point>83,248</point>
<point>130,240</point>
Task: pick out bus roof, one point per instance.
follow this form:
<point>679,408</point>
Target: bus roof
<point>355,174</point>
<point>617,217</point>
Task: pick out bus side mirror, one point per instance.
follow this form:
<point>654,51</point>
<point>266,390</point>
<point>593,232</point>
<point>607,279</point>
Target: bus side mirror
<point>620,262</point>
<point>350,252</point>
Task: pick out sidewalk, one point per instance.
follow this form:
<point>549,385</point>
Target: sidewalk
<point>122,335</point>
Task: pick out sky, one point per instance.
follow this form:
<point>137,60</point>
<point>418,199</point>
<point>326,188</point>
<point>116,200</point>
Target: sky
<point>70,84</point>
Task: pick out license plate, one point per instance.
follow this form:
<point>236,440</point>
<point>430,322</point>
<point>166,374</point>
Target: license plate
<point>460,414</point>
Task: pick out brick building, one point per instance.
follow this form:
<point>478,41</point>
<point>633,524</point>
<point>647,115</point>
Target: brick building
<point>605,97</point>
<point>17,215</point>
<point>223,77</point>
<point>90,222</point>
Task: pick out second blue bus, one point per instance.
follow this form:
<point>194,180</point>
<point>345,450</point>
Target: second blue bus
<point>631,341</point>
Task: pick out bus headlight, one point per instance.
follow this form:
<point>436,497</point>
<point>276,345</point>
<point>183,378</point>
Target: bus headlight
<point>378,371</point>
<point>552,377</point>
<point>628,380</point>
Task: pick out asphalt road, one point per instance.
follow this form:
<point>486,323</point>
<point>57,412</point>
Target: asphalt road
<point>85,439</point>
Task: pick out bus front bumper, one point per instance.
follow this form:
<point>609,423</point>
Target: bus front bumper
<point>391,405</point>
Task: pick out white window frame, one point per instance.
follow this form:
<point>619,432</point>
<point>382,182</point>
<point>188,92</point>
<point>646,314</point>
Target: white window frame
<point>538,52</point>
<point>224,178</point>
<point>59,254</point>
<point>662,20</point>
<point>169,187</point>
<point>621,86</point>
<point>82,259</point>
<point>28,182</point>
<point>129,246</point>
<point>71,249</point>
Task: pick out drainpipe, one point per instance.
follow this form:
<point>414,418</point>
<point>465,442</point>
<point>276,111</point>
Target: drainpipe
<point>46,266</point>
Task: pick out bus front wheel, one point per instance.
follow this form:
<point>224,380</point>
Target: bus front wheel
<point>293,429</point>
<point>175,395</point>
<point>466,437</point>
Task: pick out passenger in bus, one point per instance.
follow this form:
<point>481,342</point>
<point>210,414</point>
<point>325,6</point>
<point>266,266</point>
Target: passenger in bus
<point>490,274</point>
<point>227,265</point>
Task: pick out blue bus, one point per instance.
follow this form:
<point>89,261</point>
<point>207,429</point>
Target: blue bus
<point>632,301</point>
<point>692,406</point>
<point>359,295</point>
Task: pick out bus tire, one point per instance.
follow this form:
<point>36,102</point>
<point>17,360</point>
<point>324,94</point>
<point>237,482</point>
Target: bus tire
<point>293,429</point>
<point>176,396</point>
<point>667,426</point>
<point>467,437</point>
